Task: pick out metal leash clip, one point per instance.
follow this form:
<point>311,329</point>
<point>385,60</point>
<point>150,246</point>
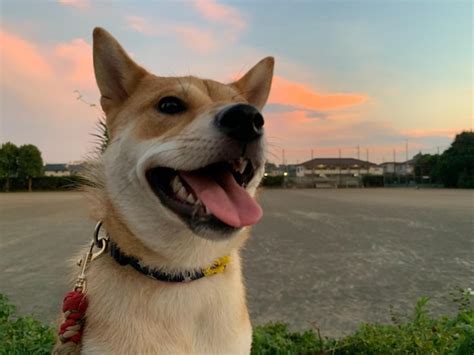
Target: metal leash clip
<point>99,242</point>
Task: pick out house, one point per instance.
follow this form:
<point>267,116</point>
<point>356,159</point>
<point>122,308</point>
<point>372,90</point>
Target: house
<point>332,167</point>
<point>272,170</point>
<point>56,170</point>
<point>74,168</point>
<point>280,170</point>
<point>395,168</point>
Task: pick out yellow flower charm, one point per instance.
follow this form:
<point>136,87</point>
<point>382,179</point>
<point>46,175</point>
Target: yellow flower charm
<point>217,267</point>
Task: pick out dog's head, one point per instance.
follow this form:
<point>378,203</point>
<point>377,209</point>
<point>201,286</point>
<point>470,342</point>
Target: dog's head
<point>186,154</point>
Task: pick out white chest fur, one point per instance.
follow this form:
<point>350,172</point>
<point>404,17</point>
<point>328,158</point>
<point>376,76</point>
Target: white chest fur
<point>129,313</point>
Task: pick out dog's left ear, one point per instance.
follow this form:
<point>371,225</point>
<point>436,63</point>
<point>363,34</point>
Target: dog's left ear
<point>256,83</point>
<point>117,75</point>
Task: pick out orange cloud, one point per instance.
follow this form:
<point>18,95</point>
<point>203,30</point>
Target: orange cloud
<point>298,133</point>
<point>302,96</point>
<point>191,36</point>
<point>80,4</point>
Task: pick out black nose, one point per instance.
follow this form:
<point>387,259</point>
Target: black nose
<point>241,122</point>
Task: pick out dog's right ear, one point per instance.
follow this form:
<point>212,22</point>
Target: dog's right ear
<point>117,75</point>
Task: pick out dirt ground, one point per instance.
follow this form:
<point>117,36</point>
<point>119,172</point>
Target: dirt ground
<point>330,258</point>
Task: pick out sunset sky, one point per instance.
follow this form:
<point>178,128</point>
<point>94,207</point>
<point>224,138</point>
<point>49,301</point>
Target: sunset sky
<point>376,74</point>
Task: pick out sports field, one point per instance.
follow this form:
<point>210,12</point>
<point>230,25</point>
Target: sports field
<point>332,258</point>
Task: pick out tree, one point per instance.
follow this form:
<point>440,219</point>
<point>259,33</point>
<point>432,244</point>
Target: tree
<point>456,165</point>
<point>30,163</point>
<point>426,165</point>
<point>8,162</point>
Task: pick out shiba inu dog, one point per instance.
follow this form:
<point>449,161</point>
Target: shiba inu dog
<point>175,190</point>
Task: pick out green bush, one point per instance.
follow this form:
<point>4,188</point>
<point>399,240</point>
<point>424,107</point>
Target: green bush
<point>22,335</point>
<point>419,333</point>
<point>273,181</point>
<point>276,339</point>
<point>43,183</point>
<point>372,181</point>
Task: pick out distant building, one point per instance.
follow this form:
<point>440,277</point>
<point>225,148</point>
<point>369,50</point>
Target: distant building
<point>280,170</point>
<point>325,172</point>
<point>335,167</point>
<point>395,168</point>
<point>272,170</point>
<point>56,170</point>
<point>76,168</point>
<point>63,169</point>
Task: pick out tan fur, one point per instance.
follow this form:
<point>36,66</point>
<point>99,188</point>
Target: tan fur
<point>129,313</point>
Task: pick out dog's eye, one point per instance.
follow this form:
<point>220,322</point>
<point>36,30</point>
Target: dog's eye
<point>171,105</point>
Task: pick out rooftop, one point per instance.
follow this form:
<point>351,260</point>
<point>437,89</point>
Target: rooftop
<point>336,162</point>
<point>55,167</point>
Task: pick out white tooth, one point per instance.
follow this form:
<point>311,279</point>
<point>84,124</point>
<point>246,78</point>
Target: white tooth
<point>182,193</point>
<point>243,165</point>
<point>190,199</point>
<point>175,184</point>
<point>235,165</point>
<point>207,210</point>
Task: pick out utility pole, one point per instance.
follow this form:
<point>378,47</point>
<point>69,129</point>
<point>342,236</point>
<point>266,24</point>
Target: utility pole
<point>438,149</point>
<point>406,162</point>
<point>394,163</point>
<point>383,172</point>
<point>339,180</point>
<point>406,150</point>
<point>367,158</point>
<point>358,164</point>
<point>283,157</point>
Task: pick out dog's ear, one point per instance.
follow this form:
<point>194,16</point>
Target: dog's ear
<point>117,75</point>
<point>255,84</point>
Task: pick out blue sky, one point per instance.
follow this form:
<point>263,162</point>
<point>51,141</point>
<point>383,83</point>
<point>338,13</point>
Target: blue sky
<point>393,70</point>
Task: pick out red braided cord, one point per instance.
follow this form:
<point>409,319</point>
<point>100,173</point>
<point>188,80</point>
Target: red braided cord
<point>74,308</point>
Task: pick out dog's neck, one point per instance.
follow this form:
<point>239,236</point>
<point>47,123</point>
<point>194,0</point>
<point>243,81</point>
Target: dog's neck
<point>185,252</point>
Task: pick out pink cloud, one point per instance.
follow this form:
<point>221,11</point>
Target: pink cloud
<point>38,102</point>
<point>200,40</point>
<point>192,37</point>
<point>301,95</point>
<point>66,66</point>
<point>19,53</point>
<point>226,15</point>
<point>80,4</point>
<point>74,59</point>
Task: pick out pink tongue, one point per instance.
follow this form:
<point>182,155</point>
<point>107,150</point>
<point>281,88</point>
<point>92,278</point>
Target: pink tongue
<point>226,199</point>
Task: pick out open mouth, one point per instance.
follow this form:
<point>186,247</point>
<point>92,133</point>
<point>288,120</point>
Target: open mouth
<point>211,197</point>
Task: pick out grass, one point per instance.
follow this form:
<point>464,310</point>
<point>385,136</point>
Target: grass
<point>419,333</point>
<point>23,334</point>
